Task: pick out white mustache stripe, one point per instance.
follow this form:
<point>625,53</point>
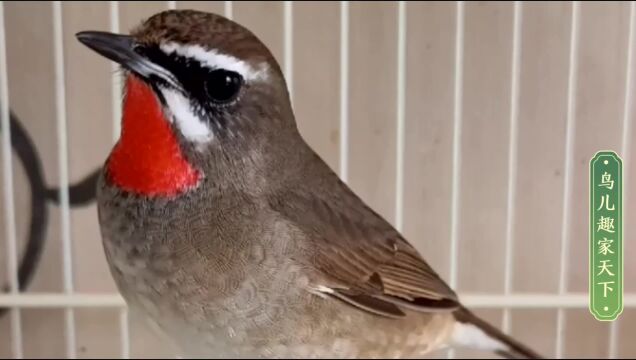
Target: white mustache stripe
<point>192,128</point>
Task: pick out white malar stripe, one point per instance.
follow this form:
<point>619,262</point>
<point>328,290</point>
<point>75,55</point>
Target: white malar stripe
<point>192,128</point>
<point>215,60</point>
<point>470,336</point>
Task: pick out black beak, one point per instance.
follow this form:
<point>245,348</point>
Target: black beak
<point>121,49</point>
<point>118,48</point>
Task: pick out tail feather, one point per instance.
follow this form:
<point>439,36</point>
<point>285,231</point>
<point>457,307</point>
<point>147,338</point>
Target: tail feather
<point>472,331</point>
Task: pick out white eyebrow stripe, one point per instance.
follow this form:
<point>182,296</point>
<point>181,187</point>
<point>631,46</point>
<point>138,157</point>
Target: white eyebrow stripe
<point>213,59</point>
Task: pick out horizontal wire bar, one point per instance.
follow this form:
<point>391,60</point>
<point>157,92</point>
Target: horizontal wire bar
<point>54,300</point>
<point>530,301</point>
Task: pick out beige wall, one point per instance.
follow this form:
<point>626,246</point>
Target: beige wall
<point>429,99</point>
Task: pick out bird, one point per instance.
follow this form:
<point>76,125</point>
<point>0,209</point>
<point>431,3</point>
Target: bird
<point>227,232</point>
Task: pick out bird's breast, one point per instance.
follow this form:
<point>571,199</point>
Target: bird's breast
<point>221,281</point>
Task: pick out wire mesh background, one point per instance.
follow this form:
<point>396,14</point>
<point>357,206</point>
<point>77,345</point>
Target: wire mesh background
<point>468,126</point>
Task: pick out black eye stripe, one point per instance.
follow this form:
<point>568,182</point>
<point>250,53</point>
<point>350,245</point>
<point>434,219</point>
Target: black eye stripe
<point>208,86</point>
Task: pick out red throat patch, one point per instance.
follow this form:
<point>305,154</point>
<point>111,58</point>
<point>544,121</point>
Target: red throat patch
<point>147,160</point>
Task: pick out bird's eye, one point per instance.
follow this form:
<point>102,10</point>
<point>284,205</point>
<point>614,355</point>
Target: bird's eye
<point>223,86</point>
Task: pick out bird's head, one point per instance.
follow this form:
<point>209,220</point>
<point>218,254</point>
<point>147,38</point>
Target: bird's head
<point>198,88</point>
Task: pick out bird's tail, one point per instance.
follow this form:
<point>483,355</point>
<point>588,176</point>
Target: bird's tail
<point>471,331</point>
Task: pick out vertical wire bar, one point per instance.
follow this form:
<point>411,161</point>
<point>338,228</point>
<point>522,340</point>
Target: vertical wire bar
<point>9,202</point>
<point>116,92</point>
<point>567,186</point>
<point>512,156</point>
<point>625,147</point>
<point>228,9</point>
<point>401,104</point>
<point>60,105</point>
<point>116,85</point>
<point>457,139</point>
<point>172,5</point>
<point>288,46</point>
<point>124,331</point>
<point>612,351</point>
<point>344,91</point>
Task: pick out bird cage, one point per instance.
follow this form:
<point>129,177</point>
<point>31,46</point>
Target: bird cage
<point>469,126</point>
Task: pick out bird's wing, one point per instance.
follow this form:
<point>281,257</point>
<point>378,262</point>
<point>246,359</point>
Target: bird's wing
<point>360,258</point>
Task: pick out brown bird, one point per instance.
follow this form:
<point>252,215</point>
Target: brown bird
<point>227,231</point>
